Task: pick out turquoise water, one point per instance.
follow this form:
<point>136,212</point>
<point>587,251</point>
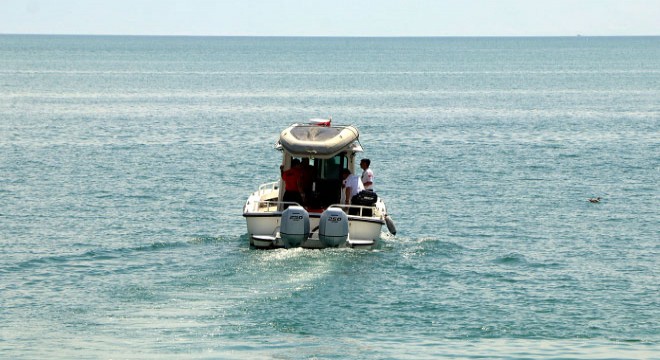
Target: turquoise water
<point>125,162</point>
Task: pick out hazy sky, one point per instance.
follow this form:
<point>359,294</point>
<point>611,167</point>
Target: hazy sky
<point>332,17</point>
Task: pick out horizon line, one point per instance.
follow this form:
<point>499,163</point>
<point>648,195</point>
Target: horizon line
<point>327,36</point>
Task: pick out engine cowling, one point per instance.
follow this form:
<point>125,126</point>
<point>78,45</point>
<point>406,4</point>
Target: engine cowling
<point>294,226</point>
<point>333,227</point>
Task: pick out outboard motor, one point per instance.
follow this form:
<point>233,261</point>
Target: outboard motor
<point>364,198</point>
<point>333,227</point>
<point>294,227</point>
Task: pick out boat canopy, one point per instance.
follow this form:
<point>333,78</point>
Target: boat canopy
<point>318,141</point>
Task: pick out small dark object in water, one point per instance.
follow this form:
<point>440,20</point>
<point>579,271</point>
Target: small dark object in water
<point>594,200</point>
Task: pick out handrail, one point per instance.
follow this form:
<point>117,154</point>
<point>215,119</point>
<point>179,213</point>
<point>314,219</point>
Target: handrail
<point>274,203</point>
<point>361,209</point>
<point>260,204</point>
<point>268,187</point>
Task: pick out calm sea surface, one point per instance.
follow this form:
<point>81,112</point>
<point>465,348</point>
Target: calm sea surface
<point>125,162</point>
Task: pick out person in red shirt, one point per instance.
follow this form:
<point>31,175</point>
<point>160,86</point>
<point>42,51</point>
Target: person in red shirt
<point>293,184</point>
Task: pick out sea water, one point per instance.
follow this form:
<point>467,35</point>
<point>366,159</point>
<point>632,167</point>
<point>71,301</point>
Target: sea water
<point>125,163</point>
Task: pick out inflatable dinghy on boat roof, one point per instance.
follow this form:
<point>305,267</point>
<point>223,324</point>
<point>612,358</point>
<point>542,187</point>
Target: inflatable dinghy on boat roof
<point>302,140</point>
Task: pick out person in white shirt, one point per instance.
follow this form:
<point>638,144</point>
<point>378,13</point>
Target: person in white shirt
<point>367,175</point>
<point>352,185</point>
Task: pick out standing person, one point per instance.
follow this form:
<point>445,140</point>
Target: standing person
<point>293,184</point>
<point>367,175</point>
<point>352,186</point>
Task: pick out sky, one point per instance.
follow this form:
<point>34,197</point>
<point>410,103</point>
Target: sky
<point>332,17</point>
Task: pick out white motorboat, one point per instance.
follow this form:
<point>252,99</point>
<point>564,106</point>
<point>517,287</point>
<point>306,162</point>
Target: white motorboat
<point>321,221</point>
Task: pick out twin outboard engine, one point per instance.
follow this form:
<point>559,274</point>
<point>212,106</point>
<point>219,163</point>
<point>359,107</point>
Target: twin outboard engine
<point>333,227</point>
<point>294,227</point>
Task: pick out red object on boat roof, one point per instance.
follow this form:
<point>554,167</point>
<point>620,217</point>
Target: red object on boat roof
<point>320,122</point>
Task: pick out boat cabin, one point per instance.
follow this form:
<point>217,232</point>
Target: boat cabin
<point>323,151</point>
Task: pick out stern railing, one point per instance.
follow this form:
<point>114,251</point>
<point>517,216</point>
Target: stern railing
<point>268,188</point>
<point>272,205</point>
<point>358,210</point>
